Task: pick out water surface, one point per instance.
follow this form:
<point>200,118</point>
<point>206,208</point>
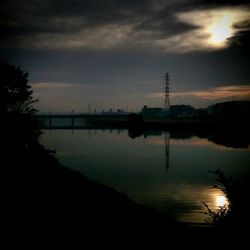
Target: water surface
<point>155,169</point>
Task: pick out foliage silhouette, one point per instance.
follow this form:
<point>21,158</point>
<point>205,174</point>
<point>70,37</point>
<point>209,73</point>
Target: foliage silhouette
<point>15,93</point>
<point>218,217</point>
<point>16,107</point>
<point>235,214</point>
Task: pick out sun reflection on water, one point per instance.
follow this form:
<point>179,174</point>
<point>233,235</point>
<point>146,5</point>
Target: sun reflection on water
<point>214,198</point>
<point>221,201</point>
<point>217,199</point>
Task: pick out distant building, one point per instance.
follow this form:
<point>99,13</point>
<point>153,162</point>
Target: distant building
<point>228,110</point>
<point>181,111</point>
<point>231,110</point>
<point>175,111</point>
<point>152,112</point>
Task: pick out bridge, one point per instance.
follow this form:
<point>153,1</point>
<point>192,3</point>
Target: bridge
<point>90,118</point>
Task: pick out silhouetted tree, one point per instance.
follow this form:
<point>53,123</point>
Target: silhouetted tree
<point>16,106</point>
<point>15,93</point>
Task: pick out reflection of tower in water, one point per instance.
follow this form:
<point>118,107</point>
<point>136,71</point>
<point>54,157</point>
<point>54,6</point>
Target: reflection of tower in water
<point>167,139</point>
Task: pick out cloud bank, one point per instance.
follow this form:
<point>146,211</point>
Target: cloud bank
<point>170,26</point>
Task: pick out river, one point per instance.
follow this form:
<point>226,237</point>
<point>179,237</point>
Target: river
<point>167,171</point>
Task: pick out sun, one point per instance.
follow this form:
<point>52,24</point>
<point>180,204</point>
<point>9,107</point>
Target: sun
<point>221,29</point>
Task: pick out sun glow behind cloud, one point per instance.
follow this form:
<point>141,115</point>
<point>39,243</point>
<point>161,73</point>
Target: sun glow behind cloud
<point>221,29</point>
<point>213,29</point>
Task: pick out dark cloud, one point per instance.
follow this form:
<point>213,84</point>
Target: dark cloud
<point>32,18</point>
<point>224,2</point>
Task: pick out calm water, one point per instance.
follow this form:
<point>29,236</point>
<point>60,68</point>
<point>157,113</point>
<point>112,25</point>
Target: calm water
<point>154,169</point>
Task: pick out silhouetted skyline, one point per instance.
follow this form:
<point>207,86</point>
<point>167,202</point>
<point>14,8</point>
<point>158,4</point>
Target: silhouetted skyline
<point>114,54</point>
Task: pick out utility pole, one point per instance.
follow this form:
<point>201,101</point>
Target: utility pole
<point>167,103</point>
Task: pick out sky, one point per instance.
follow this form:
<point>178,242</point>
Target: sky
<point>103,54</point>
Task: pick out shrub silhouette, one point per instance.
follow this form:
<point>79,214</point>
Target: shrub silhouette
<point>235,215</point>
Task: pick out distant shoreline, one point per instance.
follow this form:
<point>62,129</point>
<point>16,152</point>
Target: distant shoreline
<point>157,123</point>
